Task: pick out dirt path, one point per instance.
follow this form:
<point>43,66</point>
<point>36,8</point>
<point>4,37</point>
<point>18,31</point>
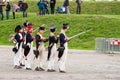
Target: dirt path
<point>81,65</point>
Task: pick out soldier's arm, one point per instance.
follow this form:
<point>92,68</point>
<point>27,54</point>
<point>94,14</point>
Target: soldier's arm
<point>62,39</point>
<point>18,39</point>
<point>29,38</point>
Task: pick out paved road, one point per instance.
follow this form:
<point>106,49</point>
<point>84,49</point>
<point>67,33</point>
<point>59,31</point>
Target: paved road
<point>81,65</point>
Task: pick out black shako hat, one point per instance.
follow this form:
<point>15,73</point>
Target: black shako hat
<point>41,28</point>
<point>52,28</point>
<point>65,26</point>
<point>29,24</point>
<point>26,23</point>
<point>18,27</point>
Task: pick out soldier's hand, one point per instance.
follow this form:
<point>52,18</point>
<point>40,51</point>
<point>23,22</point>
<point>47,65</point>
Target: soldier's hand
<point>23,39</point>
<point>58,36</point>
<point>33,37</point>
<point>68,39</point>
<point>43,38</point>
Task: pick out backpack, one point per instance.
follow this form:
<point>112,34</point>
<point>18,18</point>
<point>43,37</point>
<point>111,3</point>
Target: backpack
<point>61,9</point>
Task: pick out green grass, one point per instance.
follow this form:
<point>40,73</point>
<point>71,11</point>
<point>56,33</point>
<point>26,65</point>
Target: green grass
<point>90,7</point>
<point>102,26</point>
<point>87,7</point>
<point>102,17</point>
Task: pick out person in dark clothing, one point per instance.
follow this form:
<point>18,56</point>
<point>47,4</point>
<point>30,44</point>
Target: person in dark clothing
<point>41,7</point>
<point>1,10</point>
<point>52,6</point>
<point>66,5</point>
<point>13,9</point>
<point>24,8</point>
<point>46,6</point>
<point>8,7</point>
<point>78,2</point>
<point>20,3</point>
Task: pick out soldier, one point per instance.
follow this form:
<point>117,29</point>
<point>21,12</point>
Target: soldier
<point>40,48</point>
<point>63,48</point>
<point>18,46</point>
<point>52,50</point>
<point>28,51</point>
<point>25,25</point>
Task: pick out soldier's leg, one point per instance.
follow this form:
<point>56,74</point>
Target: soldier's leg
<point>41,58</point>
<point>54,51</point>
<point>28,60</point>
<point>49,65</point>
<point>22,60</point>
<point>17,59</point>
<point>63,61</point>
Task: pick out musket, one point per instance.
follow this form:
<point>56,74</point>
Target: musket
<point>38,28</point>
<point>79,34</point>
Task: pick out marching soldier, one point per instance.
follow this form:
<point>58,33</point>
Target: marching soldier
<point>28,49</point>
<point>25,24</point>
<point>18,46</point>
<point>52,50</point>
<point>40,48</point>
<point>63,48</point>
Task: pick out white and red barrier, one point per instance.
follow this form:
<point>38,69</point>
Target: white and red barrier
<point>107,45</point>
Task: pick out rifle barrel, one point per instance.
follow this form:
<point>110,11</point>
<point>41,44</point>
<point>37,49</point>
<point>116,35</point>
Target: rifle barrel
<point>79,34</point>
<point>38,28</point>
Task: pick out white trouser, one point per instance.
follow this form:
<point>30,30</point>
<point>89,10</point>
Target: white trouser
<point>18,55</point>
<point>29,57</point>
<point>22,60</point>
<point>52,57</point>
<point>62,60</point>
<point>39,60</point>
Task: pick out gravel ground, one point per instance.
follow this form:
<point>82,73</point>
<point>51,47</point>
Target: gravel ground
<point>81,65</point>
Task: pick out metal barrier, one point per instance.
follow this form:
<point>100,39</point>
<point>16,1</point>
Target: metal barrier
<point>107,45</point>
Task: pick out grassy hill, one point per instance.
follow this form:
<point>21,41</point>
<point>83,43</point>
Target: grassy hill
<point>101,25</point>
<point>92,17</point>
<point>91,7</point>
<point>87,7</point>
